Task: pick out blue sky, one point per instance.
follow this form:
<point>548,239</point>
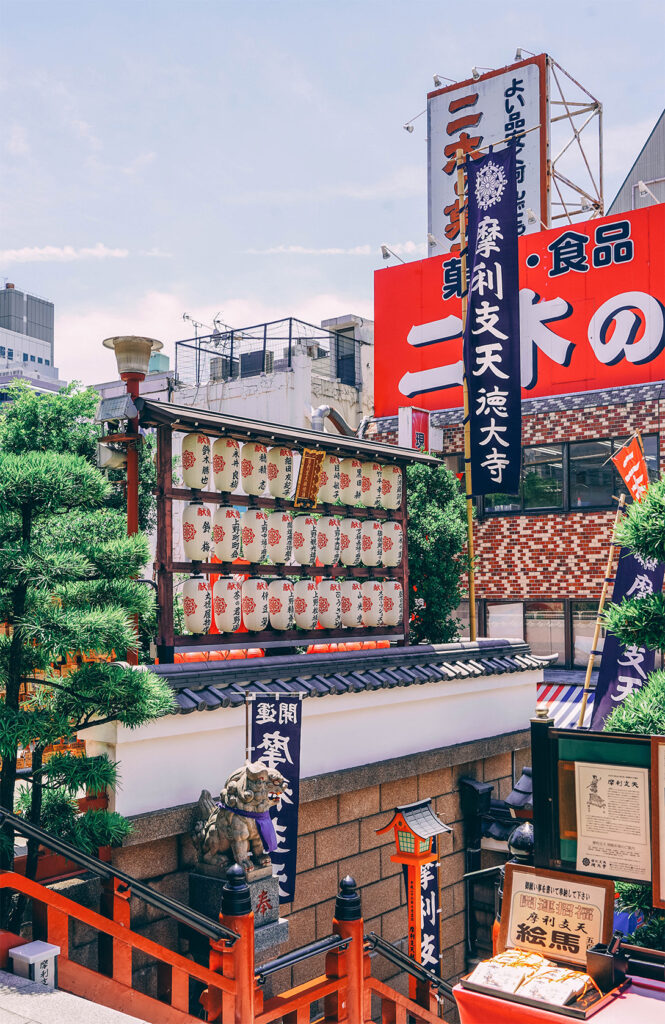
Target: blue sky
<point>248,157</point>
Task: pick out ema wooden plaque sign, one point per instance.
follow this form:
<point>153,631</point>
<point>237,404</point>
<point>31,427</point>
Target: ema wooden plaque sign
<point>307,488</point>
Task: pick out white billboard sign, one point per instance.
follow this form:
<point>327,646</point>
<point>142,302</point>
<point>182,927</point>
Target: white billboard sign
<point>478,113</point>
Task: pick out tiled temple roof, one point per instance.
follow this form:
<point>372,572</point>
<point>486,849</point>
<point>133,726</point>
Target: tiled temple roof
<point>207,686</point>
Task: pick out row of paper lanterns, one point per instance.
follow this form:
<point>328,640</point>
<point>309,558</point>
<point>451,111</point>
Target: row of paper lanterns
<point>260,470</point>
<point>284,604</point>
<point>281,537</point>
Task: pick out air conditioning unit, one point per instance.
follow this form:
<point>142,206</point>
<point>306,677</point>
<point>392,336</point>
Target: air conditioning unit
<point>223,368</point>
<point>253,363</point>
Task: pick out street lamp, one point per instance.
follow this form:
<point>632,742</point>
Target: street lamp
<point>132,354</point>
<point>416,827</point>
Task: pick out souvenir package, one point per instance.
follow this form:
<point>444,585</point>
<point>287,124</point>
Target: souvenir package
<point>555,927</point>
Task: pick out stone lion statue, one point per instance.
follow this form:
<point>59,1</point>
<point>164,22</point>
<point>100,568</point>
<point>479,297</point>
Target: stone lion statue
<point>238,827</point>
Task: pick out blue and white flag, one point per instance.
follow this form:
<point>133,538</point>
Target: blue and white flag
<point>430,910</point>
<point>276,730</point>
<point>623,670</point>
<point>492,332</point>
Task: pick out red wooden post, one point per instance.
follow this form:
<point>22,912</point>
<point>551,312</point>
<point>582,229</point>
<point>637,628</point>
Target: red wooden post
<point>115,957</point>
<point>236,961</point>
<point>348,922</point>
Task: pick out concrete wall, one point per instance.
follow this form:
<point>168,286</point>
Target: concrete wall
<point>169,762</point>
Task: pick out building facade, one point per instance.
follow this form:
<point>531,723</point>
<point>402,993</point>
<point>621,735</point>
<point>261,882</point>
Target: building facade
<point>26,341</point>
<point>541,555</point>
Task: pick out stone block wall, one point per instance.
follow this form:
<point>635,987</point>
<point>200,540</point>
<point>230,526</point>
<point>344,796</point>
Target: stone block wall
<point>339,816</point>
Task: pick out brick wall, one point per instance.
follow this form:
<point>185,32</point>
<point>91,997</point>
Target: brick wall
<point>554,555</point>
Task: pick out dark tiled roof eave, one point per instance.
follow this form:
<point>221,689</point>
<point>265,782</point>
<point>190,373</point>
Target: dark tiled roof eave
<point>209,686</point>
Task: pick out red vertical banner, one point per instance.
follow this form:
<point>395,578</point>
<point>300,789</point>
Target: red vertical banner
<point>632,467</point>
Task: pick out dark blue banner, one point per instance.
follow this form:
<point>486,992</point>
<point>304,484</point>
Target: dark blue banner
<point>276,729</point>
<point>625,669</point>
<point>430,912</point>
<point>492,332</point>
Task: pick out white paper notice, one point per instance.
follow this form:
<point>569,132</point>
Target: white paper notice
<point>613,834</point>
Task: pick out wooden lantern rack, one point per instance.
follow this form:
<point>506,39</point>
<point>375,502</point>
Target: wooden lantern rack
<point>167,419</point>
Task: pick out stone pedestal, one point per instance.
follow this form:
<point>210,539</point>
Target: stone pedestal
<point>270,930</point>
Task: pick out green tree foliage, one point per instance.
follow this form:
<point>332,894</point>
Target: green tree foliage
<point>436,535</point>
<point>64,422</point>
<point>640,621</point>
<point>67,584</point>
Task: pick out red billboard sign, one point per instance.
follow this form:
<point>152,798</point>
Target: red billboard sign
<point>592,315</point>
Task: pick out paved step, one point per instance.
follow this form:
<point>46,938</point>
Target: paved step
<point>24,1002</point>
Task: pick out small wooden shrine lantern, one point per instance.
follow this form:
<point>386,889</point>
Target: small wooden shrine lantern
<point>416,827</point>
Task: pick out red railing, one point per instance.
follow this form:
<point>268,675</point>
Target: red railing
<point>231,992</point>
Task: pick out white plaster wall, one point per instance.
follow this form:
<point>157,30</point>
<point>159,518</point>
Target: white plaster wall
<point>170,761</point>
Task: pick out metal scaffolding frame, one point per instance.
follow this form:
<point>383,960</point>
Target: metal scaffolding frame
<point>575,173</point>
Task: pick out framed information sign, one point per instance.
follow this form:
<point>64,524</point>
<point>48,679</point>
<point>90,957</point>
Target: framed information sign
<point>658,819</point>
<point>556,914</point>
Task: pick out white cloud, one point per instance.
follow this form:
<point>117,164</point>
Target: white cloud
<point>136,165</point>
<point>17,143</point>
<point>61,253</point>
<point>79,353</point>
<point>302,250</point>
<point>399,248</point>
<point>84,131</point>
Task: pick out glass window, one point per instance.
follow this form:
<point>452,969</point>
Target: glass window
<point>10,353</point>
<point>584,623</point>
<point>503,502</point>
<point>25,357</point>
<point>48,362</point>
<point>591,474</point>
<point>462,613</point>
<point>39,359</point>
<point>545,631</point>
<point>542,476</point>
<point>505,621</point>
<point>346,360</point>
<point>32,359</point>
<point>2,350</point>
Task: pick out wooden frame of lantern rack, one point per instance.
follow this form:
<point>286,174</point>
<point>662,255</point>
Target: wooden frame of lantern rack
<point>168,419</point>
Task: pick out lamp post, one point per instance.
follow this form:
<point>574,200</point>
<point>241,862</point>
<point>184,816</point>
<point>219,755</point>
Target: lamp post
<point>416,827</point>
<point>132,354</point>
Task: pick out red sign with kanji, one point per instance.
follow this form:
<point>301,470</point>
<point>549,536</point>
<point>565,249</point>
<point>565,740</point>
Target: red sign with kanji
<point>632,466</point>
<point>592,315</point>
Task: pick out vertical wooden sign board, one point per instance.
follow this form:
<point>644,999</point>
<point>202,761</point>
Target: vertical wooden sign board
<point>307,487</point>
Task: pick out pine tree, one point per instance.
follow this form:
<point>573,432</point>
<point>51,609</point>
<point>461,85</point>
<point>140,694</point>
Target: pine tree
<point>436,534</point>
<point>67,584</point>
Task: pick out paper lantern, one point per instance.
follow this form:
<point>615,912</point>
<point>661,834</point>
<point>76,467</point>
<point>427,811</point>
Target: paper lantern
<point>328,540</point>
<point>254,528</point>
<point>280,472</point>
<point>195,461</point>
<point>196,604</point>
<point>196,531</point>
<point>352,604</point>
<point>330,604</point>
<point>350,541</point>
<point>372,591</point>
<point>254,468</point>
<point>280,537</point>
<point>371,542</point>
<point>371,484</point>
<point>281,604</point>
<point>226,463</point>
<point>329,479</point>
<point>304,539</point>
<point>392,543</point>
<point>350,481</point>
<point>305,604</point>
<point>393,603</point>
<point>391,486</point>
<point>255,611</point>
<point>226,603</point>
<point>226,533</point>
